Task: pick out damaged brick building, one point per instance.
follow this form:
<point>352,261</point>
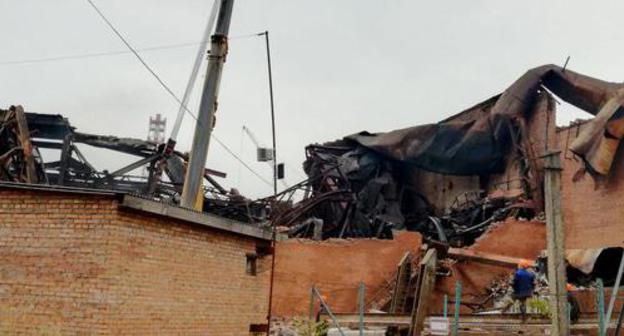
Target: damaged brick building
<point>80,249</point>
<point>473,186</point>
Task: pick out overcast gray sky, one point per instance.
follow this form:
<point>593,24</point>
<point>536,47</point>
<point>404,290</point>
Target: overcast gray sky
<point>339,66</point>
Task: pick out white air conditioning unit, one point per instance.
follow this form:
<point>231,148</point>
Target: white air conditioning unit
<point>265,154</point>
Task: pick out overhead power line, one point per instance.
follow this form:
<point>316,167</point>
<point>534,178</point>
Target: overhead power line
<point>96,54</point>
<point>145,65</point>
<point>109,53</point>
<point>241,161</point>
<point>169,91</point>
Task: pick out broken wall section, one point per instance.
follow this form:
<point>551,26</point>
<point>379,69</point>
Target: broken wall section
<point>537,136</point>
<point>511,238</point>
<point>336,267</point>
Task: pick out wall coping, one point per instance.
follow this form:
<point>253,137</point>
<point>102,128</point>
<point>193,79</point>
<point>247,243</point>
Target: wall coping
<point>129,201</point>
<point>196,217</point>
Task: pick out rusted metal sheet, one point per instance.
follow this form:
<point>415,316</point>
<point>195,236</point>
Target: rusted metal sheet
<point>599,141</point>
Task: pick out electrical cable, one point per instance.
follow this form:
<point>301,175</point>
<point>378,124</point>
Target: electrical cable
<point>242,162</point>
<point>98,54</point>
<point>109,53</point>
<point>145,65</point>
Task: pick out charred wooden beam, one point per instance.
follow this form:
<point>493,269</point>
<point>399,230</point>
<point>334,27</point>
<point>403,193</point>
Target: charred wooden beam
<point>66,152</point>
<point>24,138</point>
<point>484,258</point>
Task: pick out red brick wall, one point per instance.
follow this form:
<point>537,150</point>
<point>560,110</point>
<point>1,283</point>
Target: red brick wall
<point>512,238</point>
<point>336,267</point>
<point>592,213</point>
<point>78,264</point>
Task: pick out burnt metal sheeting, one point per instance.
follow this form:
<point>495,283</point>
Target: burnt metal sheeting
<point>48,126</point>
<point>600,138</point>
<point>478,146</point>
<point>124,145</point>
<point>358,193</point>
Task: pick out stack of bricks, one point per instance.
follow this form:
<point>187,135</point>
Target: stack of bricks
<point>73,263</point>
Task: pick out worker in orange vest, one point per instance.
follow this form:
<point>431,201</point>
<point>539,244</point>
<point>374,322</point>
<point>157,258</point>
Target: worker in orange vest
<point>573,305</point>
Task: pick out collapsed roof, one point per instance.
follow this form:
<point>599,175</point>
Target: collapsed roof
<point>366,184</point>
<point>23,135</point>
<point>479,146</point>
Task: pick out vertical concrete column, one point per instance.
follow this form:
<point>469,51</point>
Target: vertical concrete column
<point>555,244</point>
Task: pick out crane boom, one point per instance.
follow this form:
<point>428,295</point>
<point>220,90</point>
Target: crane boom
<point>252,137</point>
<point>192,195</point>
<point>168,149</point>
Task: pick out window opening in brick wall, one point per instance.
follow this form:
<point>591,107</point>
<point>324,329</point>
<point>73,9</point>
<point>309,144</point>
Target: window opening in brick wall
<point>258,329</point>
<point>252,267</point>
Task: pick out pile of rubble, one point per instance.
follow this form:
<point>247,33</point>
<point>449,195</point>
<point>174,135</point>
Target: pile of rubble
<point>358,193</point>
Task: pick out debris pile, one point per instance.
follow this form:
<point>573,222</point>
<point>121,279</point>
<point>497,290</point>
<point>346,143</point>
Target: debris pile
<point>358,193</point>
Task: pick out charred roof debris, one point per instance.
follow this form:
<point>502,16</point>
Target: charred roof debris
<point>357,193</point>
<point>23,136</point>
<point>448,180</point>
<point>452,179</point>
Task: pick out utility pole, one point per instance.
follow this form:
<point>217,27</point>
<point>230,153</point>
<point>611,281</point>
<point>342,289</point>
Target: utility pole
<point>273,241</point>
<point>192,196</point>
<point>555,245</point>
<point>268,52</point>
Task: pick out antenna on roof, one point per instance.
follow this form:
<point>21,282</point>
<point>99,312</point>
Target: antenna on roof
<point>565,64</point>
